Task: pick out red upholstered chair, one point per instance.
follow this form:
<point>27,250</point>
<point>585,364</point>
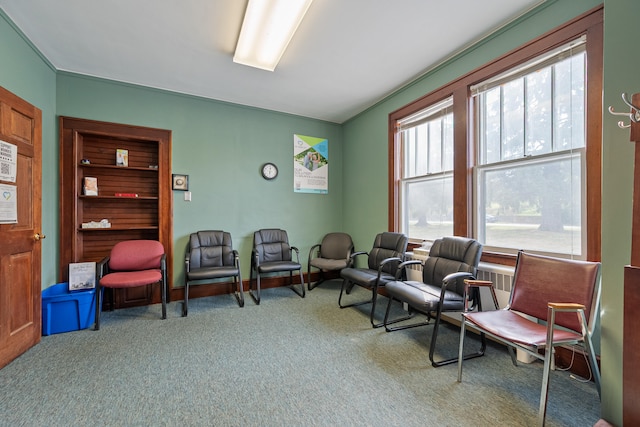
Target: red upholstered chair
<point>561,298</point>
<point>132,263</point>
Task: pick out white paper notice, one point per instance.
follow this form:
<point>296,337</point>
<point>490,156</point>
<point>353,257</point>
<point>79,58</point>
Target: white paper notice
<point>82,275</point>
<point>8,161</point>
<point>8,204</point>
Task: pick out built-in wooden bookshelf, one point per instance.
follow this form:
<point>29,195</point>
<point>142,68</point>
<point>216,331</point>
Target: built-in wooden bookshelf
<point>135,200</point>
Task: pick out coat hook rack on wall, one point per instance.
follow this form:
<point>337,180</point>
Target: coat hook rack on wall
<point>634,115</point>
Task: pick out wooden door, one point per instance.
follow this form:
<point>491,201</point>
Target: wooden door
<point>20,250</point>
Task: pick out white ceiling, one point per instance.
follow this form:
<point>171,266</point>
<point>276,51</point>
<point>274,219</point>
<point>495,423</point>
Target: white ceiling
<point>345,56</point>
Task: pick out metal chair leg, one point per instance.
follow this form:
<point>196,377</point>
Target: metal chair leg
<point>514,356</point>
<point>342,291</point>
<point>256,295</point>
<point>237,280</point>
<point>544,392</point>
<point>461,349</point>
<point>185,304</point>
<point>300,293</point>
<point>310,285</point>
<point>302,283</point>
<point>98,307</point>
<point>432,347</point>
<point>461,356</point>
<point>374,301</point>
<point>387,322</point>
<point>164,296</point>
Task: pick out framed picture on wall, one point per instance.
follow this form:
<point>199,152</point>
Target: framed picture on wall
<point>180,182</point>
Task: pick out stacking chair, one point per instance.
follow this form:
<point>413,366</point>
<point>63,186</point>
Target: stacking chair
<point>272,254</point>
<point>132,263</point>
<point>332,254</point>
<point>561,298</point>
<point>382,262</point>
<point>210,256</point>
<point>450,261</point>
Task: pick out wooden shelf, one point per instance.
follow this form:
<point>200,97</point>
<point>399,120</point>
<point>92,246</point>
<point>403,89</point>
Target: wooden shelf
<point>148,216</point>
<point>120,168</point>
<point>83,197</point>
<point>117,228</point>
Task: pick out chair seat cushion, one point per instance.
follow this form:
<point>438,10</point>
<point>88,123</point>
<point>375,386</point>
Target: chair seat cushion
<point>129,279</point>
<point>424,298</point>
<point>510,326</point>
<point>272,267</point>
<point>328,264</point>
<point>365,277</point>
<point>212,273</point>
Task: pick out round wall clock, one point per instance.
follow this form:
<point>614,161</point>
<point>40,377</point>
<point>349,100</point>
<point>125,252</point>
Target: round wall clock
<point>269,171</point>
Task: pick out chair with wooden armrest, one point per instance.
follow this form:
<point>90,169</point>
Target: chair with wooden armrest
<point>561,298</point>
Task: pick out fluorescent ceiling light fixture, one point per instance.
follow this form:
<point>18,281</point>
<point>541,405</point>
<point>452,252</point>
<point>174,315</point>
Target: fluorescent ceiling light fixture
<point>267,29</point>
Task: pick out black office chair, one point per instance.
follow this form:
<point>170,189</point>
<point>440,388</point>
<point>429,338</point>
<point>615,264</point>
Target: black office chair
<point>271,254</point>
<point>382,262</point>
<point>210,256</point>
<point>334,253</point>
<point>450,261</point>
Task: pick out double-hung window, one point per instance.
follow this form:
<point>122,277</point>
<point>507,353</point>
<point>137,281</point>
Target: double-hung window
<point>530,185</point>
<point>509,153</point>
<point>426,208</point>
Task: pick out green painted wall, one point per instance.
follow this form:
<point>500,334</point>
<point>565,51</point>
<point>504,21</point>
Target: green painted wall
<point>365,151</point>
<point>25,73</point>
<point>365,135</point>
<point>221,147</point>
<point>621,74</point>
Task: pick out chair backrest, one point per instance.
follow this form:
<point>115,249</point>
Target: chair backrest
<point>210,248</point>
<point>272,244</point>
<point>336,246</point>
<point>134,255</point>
<point>450,255</point>
<point>539,280</point>
<point>387,245</point>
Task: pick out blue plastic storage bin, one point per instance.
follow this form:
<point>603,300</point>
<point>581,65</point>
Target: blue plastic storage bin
<point>64,311</point>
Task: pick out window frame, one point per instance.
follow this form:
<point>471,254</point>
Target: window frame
<point>590,25</point>
<point>440,112</point>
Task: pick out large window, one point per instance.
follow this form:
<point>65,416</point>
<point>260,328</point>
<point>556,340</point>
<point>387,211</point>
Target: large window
<point>427,172</point>
<point>530,186</point>
<point>510,153</point>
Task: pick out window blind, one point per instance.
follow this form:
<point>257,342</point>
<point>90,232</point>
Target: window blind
<point>552,57</point>
<point>439,109</point>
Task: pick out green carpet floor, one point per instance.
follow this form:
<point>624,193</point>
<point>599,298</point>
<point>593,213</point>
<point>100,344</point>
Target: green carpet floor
<point>286,362</point>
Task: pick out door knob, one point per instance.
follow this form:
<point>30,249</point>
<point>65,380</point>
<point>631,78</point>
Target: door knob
<point>39,236</point>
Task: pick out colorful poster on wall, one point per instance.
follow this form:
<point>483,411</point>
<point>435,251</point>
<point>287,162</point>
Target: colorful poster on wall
<point>310,164</point>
